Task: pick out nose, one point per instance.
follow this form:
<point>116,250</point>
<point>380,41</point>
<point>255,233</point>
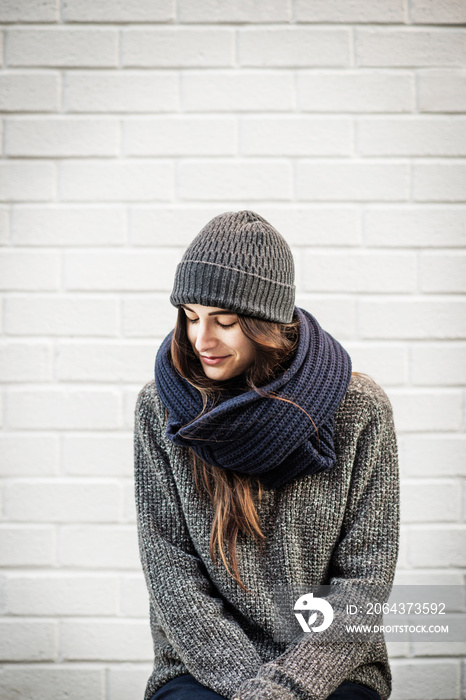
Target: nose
<point>205,338</point>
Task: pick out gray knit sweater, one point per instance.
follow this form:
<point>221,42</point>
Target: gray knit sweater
<point>331,528</point>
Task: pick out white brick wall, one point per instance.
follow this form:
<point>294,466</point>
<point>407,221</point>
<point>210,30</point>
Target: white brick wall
<point>125,127</point>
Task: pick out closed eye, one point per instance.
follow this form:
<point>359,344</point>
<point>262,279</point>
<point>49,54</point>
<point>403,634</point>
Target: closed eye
<point>222,325</point>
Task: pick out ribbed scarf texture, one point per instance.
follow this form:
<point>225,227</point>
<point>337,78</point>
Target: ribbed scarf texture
<point>261,436</point>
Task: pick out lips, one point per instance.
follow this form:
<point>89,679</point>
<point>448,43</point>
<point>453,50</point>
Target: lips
<point>213,360</point>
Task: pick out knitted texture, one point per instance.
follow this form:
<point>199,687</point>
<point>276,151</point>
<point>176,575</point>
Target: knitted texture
<point>334,527</point>
<point>239,262</point>
<point>252,434</point>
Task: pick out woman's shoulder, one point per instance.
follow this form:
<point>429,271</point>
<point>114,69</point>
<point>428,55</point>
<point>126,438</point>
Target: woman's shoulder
<point>363,386</point>
<point>148,394</point>
<point>364,400</point>
<point>149,404</point>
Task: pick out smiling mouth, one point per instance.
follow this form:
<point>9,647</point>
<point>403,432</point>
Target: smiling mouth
<point>213,360</point>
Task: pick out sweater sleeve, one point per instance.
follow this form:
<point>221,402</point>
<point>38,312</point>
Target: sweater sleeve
<point>192,616</point>
<point>363,561</point>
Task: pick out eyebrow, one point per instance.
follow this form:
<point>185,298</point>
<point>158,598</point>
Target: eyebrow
<point>220,312</point>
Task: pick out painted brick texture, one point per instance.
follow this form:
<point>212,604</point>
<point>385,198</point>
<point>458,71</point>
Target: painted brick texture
<point>124,128</point>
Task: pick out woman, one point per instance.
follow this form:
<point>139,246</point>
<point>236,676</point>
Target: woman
<point>263,468</point>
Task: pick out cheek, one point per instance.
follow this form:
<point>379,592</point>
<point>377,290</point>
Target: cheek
<point>190,332</point>
<point>247,349</point>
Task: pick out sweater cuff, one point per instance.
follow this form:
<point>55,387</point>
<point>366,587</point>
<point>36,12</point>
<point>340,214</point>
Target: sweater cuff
<point>261,689</point>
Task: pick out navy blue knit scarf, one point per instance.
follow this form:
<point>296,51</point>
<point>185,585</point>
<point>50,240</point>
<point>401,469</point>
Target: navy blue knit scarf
<point>264,437</point>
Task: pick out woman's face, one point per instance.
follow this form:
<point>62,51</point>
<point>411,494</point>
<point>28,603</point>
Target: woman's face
<point>218,341</point>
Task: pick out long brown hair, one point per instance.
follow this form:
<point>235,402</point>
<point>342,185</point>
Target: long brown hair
<point>231,493</point>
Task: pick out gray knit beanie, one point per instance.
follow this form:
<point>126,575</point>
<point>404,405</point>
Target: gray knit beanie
<point>239,262</point>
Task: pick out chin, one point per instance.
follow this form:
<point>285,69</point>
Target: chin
<point>221,374</point>
<point>218,375</point>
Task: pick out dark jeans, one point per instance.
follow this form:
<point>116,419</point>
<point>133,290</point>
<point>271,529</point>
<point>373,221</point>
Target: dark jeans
<point>188,688</point>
